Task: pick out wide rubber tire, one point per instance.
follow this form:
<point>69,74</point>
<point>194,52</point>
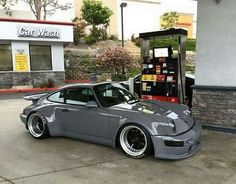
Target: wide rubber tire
<point>135,141</point>
<point>37,126</point>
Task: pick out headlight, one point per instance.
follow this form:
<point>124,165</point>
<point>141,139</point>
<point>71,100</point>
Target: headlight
<point>172,126</point>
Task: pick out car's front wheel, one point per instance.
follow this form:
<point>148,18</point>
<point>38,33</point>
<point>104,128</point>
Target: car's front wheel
<point>135,141</point>
<point>37,126</point>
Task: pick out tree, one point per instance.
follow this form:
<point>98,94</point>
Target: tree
<point>96,15</point>
<point>169,20</point>
<point>42,8</point>
<point>6,4</point>
<point>114,59</point>
<point>79,29</point>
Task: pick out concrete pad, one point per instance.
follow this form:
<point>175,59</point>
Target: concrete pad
<point>5,182</point>
<point>210,165</point>
<point>1,179</point>
<point>22,155</point>
<point>60,160</point>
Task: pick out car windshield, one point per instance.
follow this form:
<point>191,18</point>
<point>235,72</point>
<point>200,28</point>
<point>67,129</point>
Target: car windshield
<point>113,94</point>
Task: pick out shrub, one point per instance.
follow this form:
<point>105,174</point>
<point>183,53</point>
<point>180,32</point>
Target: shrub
<point>89,64</point>
<point>79,29</point>
<point>136,40</point>
<point>115,59</point>
<point>190,68</point>
<point>113,37</point>
<point>103,32</point>
<point>95,35</point>
<point>90,39</point>
<point>133,72</point>
<point>133,38</point>
<point>190,43</point>
<point>118,77</point>
<point>49,83</point>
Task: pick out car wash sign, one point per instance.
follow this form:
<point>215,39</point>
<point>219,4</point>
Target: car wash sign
<point>38,32</point>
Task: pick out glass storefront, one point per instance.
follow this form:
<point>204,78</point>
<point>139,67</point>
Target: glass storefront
<point>6,58</point>
<point>40,57</point>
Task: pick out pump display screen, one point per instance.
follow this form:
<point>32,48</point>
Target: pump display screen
<point>161,52</point>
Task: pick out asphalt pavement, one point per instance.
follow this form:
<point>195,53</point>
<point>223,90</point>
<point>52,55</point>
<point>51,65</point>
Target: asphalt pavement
<point>24,159</point>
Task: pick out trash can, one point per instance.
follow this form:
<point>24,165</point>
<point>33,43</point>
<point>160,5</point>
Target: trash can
<point>93,77</point>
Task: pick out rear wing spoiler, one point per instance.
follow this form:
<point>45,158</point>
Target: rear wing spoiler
<point>35,97</point>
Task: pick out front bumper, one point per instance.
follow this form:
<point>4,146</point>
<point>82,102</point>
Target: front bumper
<point>190,144</point>
<point>23,118</point>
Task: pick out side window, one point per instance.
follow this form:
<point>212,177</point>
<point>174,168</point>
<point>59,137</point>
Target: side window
<point>79,96</point>
<point>57,97</point>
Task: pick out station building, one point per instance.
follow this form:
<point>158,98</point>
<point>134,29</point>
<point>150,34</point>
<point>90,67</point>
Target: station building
<point>32,51</point>
<point>214,94</point>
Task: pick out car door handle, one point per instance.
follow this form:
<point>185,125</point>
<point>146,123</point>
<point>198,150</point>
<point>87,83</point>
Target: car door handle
<point>65,110</point>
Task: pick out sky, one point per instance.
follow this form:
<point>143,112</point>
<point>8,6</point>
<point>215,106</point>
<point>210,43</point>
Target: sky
<point>185,6</point>
<point>64,15</point>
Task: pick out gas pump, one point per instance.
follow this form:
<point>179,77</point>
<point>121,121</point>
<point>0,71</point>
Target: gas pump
<point>163,72</point>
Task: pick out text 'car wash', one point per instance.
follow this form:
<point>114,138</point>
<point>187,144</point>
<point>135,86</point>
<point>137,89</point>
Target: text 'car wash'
<point>38,32</point>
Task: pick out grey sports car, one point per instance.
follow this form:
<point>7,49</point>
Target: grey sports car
<point>108,114</point>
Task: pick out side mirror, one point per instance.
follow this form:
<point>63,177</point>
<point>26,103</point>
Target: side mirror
<point>91,104</point>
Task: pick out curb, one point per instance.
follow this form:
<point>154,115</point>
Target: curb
<point>231,130</point>
<point>29,90</point>
<point>3,91</point>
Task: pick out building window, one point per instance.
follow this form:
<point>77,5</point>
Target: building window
<point>40,57</point>
<point>5,58</point>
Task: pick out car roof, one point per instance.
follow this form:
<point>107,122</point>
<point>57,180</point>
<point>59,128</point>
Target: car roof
<point>88,85</point>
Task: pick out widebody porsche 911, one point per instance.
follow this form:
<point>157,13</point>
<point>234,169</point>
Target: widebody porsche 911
<point>108,114</point>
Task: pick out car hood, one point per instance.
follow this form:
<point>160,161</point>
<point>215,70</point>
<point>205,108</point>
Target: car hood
<point>157,110</point>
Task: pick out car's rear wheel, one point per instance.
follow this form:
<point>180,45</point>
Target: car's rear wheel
<point>37,126</point>
<point>135,141</point>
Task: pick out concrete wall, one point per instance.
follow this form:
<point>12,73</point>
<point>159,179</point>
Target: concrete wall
<point>216,38</point>
<point>10,79</point>
<point>140,16</point>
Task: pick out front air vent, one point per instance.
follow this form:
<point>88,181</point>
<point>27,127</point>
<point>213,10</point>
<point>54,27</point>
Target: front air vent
<point>174,143</point>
